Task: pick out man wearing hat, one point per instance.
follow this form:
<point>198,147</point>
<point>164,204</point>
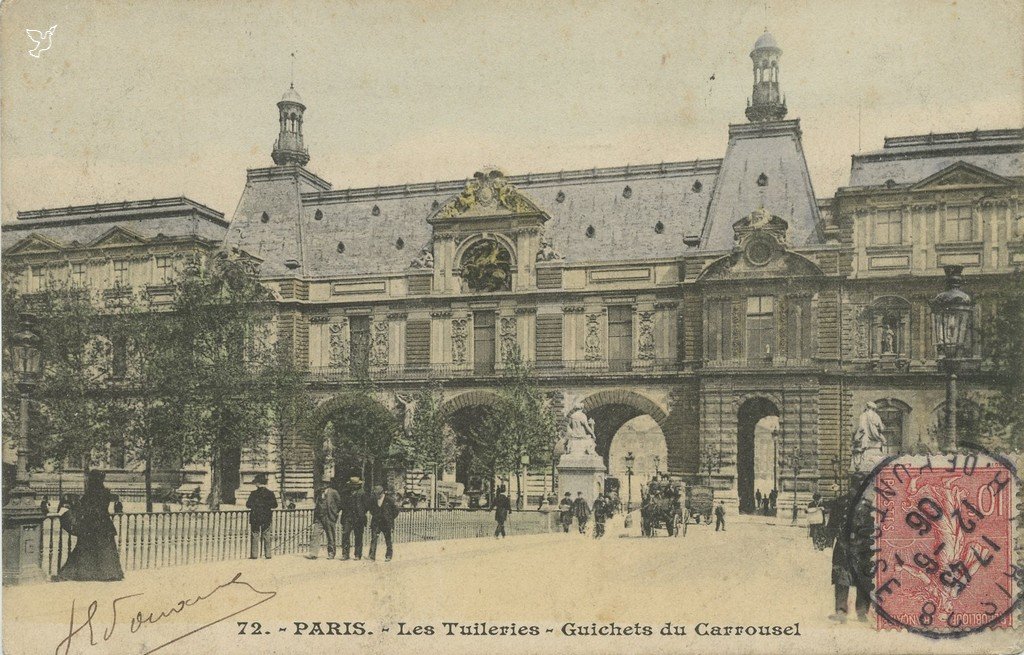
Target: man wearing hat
<point>354,505</point>
<point>261,504</point>
<point>565,509</point>
<point>325,518</point>
<point>502,507</point>
<point>383,511</point>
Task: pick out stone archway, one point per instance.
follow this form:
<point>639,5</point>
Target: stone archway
<point>466,413</point>
<point>611,409</point>
<point>350,434</point>
<point>749,418</point>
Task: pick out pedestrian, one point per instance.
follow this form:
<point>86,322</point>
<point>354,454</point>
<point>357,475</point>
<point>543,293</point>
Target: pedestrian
<point>720,516</point>
<point>565,509</point>
<point>757,499</point>
<point>816,521</point>
<point>354,505</point>
<point>772,497</point>
<point>118,505</point>
<point>325,519</point>
<point>502,507</point>
<point>846,552</point>
<point>94,556</point>
<point>383,511</point>
<point>602,510</point>
<point>261,504</point>
<point>581,510</point>
<point>45,505</point>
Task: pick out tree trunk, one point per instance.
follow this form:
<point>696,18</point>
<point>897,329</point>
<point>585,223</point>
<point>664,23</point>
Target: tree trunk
<point>213,500</point>
<point>149,481</point>
<point>281,469</point>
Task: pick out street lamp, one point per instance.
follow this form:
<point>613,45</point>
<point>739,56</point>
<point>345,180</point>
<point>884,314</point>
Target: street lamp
<point>630,460</point>
<point>524,461</point>
<point>28,363</point>
<point>951,326</point>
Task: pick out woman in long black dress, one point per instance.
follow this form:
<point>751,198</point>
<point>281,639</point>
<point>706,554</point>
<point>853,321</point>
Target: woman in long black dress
<point>95,554</point>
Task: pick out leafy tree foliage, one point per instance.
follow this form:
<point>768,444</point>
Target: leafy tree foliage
<point>364,434</point>
<point>431,440</point>
<point>1002,334</point>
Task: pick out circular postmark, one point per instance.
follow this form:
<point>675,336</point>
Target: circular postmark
<point>931,540</point>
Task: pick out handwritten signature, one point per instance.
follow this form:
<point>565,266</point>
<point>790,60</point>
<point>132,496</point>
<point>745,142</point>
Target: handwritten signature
<point>141,618</point>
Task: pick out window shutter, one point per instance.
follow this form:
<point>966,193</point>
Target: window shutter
<point>549,340</point>
<point>417,343</point>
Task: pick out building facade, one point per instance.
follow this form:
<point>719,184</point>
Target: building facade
<point>717,308</point>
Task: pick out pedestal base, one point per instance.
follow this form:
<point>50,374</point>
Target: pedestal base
<point>581,474</point>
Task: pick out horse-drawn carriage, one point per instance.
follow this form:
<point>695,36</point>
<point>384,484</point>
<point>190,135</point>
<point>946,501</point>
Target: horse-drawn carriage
<point>661,507</point>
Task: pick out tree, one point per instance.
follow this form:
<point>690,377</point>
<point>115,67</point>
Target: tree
<point>431,440</point>
<point>521,424</point>
<point>1002,335</point>
<point>365,433</point>
<point>222,365</point>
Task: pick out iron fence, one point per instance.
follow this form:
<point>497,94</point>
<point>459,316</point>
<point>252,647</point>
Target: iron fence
<point>153,540</point>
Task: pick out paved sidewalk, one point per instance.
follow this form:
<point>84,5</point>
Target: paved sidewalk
<point>748,575</point>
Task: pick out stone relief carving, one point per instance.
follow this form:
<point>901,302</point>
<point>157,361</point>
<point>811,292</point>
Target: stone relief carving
<point>547,252</point>
<point>460,333</point>
<point>508,338</point>
<point>379,345</point>
<point>424,260</point>
<point>592,340</point>
<point>645,342</point>
<point>487,189</point>
<point>337,353</point>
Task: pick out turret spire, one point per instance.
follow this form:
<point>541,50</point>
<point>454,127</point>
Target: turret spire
<point>289,149</point>
<point>766,103</point>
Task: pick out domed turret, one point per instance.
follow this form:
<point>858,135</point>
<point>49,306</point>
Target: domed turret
<point>289,149</point>
<point>766,103</point>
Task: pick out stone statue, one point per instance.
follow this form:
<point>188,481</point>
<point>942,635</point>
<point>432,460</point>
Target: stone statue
<point>547,253</point>
<point>424,260</point>
<point>580,438</point>
<point>408,404</point>
<point>869,441</point>
<point>888,339</point>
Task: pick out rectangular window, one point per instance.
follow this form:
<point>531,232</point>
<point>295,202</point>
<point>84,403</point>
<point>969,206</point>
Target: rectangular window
<point>888,228</point>
<point>549,340</point>
<point>620,338</point>
<point>417,344</point>
<point>359,345</point>
<point>164,270</point>
<point>120,271</point>
<point>483,342</point>
<point>38,278</point>
<point>78,275</point>
<point>760,327</point>
<point>719,335</point>
<point>959,224</point>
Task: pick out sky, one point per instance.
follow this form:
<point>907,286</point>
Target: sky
<point>157,98</point>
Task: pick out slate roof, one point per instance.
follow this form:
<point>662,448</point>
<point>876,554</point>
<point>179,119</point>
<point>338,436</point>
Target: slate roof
<point>909,159</point>
<point>675,194</point>
<point>772,149</point>
<point>172,217</point>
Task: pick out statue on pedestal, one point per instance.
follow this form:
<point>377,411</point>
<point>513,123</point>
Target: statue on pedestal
<point>580,438</point>
<point>868,441</point>
<point>408,404</point>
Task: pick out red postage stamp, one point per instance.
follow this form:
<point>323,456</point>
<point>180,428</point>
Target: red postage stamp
<point>944,544</point>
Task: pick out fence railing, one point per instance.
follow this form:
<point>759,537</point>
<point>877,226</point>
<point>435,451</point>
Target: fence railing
<point>146,541</point>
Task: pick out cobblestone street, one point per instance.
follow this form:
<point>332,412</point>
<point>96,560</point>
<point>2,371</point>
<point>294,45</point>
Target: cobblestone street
<point>558,582</point>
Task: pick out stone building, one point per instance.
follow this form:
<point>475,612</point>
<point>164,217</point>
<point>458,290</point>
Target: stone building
<point>714,313</point>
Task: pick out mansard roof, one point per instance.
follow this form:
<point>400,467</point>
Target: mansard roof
<point>92,225</point>
<point>623,205</point>
<point>911,159</point>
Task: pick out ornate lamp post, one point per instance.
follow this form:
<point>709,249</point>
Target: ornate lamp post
<point>630,460</point>
<point>952,311</point>
<point>27,364</point>
<point>524,461</point>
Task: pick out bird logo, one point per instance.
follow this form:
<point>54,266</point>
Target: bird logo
<point>42,40</point>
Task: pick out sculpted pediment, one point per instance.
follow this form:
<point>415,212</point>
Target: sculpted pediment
<point>488,194</point>
<point>962,174</point>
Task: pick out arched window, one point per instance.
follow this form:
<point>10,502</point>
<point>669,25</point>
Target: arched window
<point>894,414</point>
<point>888,321</point>
<point>487,266</point>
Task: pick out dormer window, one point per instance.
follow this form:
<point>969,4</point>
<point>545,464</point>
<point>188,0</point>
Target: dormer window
<point>762,180</point>
<point>318,216</point>
<point>265,218</point>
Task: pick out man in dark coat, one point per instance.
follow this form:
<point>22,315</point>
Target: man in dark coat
<point>502,507</point>
<point>261,504</point>
<point>354,505</point>
<point>581,510</point>
<point>720,516</point>
<point>383,512</point>
<point>565,509</point>
<point>852,547</point>
<point>325,518</point>
<point>601,514</point>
